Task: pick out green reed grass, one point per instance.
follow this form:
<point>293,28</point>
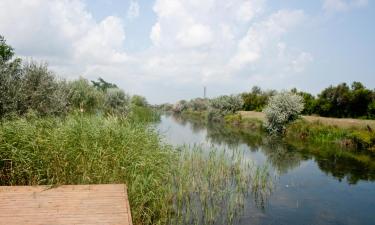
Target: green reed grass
<point>165,185</point>
<point>212,187</point>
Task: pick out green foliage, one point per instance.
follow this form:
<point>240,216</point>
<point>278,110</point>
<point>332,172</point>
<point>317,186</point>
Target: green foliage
<point>42,92</point>
<point>309,100</point>
<point>6,51</point>
<point>116,101</point>
<point>10,87</point>
<point>281,110</point>
<point>255,100</point>
<point>138,100</point>
<point>342,101</point>
<point>103,85</point>
<point>84,96</point>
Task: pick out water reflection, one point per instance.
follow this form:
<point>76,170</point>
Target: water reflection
<point>317,184</point>
<point>343,165</point>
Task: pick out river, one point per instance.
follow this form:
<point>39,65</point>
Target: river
<point>309,188</point>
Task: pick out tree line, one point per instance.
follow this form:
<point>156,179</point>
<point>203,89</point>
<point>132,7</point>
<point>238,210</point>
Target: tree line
<point>341,101</point>
<point>31,87</point>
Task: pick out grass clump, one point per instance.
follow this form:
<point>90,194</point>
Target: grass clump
<point>212,187</point>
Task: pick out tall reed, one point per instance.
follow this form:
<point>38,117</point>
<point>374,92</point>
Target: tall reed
<point>165,185</point>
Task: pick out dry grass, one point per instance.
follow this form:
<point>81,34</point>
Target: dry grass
<point>339,122</point>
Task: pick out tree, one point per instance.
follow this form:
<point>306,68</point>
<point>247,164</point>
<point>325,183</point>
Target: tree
<point>281,110</point>
<point>309,101</point>
<point>103,85</point>
<point>334,101</point>
<point>6,51</point>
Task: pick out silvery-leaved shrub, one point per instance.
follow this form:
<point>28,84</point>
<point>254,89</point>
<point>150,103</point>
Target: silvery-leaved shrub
<point>180,106</point>
<point>116,101</point>
<point>282,109</point>
<point>223,105</point>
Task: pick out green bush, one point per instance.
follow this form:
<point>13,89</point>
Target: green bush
<point>116,101</point>
<point>138,100</point>
<point>42,92</point>
<point>84,96</point>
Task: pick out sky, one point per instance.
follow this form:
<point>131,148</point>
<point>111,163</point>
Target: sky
<point>167,50</point>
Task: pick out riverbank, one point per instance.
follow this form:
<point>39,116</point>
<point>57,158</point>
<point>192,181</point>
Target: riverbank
<point>350,133</point>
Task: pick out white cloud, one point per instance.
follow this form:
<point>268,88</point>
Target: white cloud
<point>62,32</point>
<point>133,11</point>
<point>220,43</point>
<point>343,5</point>
<point>156,34</point>
<point>263,35</point>
<point>195,35</point>
<point>249,9</point>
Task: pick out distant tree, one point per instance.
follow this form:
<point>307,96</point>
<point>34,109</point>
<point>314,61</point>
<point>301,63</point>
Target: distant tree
<point>103,85</point>
<point>255,100</point>
<point>334,101</point>
<point>309,101</point>
<point>359,100</point>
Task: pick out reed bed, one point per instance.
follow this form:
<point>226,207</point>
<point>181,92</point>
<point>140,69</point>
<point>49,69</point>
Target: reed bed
<point>211,187</point>
<point>165,185</point>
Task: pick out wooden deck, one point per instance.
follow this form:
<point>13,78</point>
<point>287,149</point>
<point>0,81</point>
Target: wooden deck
<point>68,204</point>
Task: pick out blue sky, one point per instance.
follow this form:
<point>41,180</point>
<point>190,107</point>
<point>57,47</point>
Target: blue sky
<point>168,50</point>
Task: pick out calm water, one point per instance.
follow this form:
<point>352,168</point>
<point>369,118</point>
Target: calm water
<point>310,187</point>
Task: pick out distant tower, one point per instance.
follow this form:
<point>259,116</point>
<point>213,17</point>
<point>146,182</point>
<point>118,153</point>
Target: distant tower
<point>204,92</point>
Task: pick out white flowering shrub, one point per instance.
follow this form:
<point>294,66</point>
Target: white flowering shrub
<point>281,110</point>
<point>223,105</point>
<point>180,106</point>
<point>198,104</point>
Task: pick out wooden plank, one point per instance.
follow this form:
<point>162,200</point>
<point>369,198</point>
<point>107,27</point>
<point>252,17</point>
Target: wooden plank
<point>67,204</point>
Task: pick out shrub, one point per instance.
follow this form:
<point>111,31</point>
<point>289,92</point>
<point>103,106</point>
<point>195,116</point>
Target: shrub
<point>180,106</point>
<point>42,92</point>
<point>282,109</point>
<point>198,104</point>
<point>116,101</point>
<point>138,100</point>
<point>84,96</point>
<point>10,87</point>
<point>223,105</point>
